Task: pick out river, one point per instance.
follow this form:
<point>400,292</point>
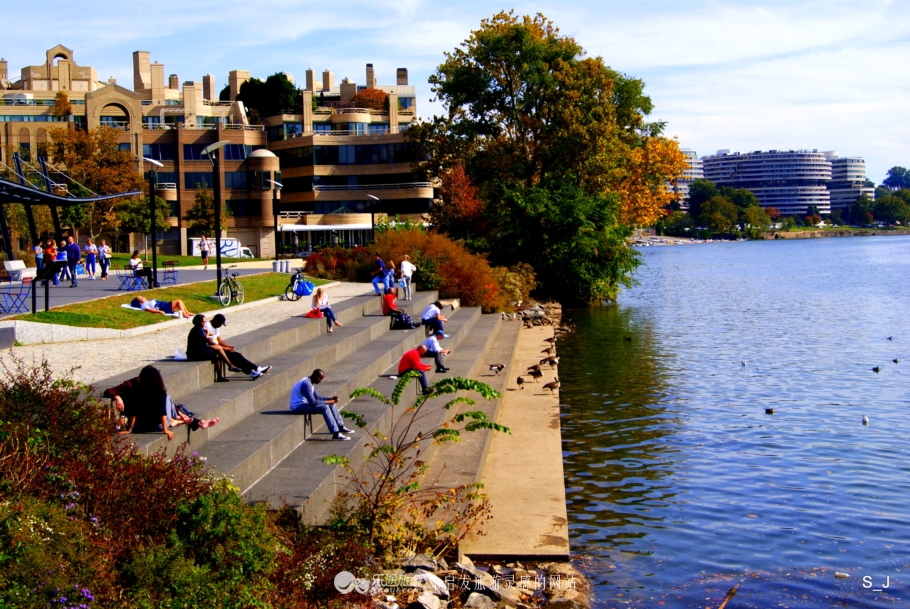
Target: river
<point>680,486</point>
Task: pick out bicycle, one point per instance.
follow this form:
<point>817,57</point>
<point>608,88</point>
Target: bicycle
<point>294,291</point>
<point>230,289</point>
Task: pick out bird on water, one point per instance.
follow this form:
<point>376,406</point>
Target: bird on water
<point>876,369</point>
<point>497,368</point>
<point>627,339</point>
<point>553,386</point>
<point>865,420</point>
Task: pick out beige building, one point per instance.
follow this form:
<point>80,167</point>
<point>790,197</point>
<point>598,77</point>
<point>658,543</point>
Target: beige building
<point>339,164</point>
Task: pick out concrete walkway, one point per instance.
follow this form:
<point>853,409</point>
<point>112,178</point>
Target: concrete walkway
<point>523,476</point>
<point>99,359</point>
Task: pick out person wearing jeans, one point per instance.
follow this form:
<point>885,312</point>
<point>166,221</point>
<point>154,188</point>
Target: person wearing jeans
<point>73,258</point>
<point>435,352</point>
<point>380,276</point>
<point>321,302</point>
<point>104,258</point>
<point>407,270</point>
<point>411,361</point>
<point>305,400</point>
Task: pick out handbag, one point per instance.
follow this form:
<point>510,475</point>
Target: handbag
<point>314,314</point>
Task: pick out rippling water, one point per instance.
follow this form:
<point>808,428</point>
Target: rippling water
<point>680,486</point>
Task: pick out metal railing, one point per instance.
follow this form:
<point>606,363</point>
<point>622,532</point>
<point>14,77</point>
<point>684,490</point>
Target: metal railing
<point>241,127</point>
<point>125,125</point>
<point>209,102</point>
<point>399,186</point>
<point>166,186</point>
<point>340,133</point>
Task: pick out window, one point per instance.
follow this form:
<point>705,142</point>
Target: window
<point>236,152</point>
<point>207,121</point>
<point>322,128</point>
<point>379,128</point>
<point>296,157</point>
<point>117,122</point>
<point>160,152</point>
<point>197,179</point>
<point>244,208</point>
<point>34,119</point>
<point>193,152</point>
<point>235,179</point>
<point>163,177</point>
<point>274,134</point>
<point>405,103</point>
<point>266,176</point>
<point>152,122</point>
<point>125,147</point>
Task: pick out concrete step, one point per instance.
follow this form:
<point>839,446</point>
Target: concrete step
<point>233,402</point>
<point>303,481</point>
<point>250,449</point>
<point>185,378</point>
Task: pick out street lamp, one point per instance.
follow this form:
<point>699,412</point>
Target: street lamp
<point>211,151</point>
<point>275,211</point>
<point>153,173</point>
<point>373,218</point>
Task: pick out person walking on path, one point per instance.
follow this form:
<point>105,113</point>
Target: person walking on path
<point>411,361</point>
<point>50,254</point>
<point>63,257</point>
<point>39,258</point>
<point>305,400</point>
<point>104,259</point>
<point>434,351</point>
<point>433,317</point>
<point>204,252</point>
<point>91,250</point>
<point>296,241</point>
<point>73,258</point>
<point>407,272</point>
<point>321,302</point>
<point>380,276</point>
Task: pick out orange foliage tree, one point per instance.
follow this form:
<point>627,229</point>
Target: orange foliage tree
<point>374,99</point>
<point>460,210</point>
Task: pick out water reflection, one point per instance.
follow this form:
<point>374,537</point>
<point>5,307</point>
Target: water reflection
<point>680,486</point>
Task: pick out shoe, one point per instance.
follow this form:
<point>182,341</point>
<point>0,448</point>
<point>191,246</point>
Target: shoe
<point>346,430</point>
<point>442,370</point>
<point>340,437</point>
<point>255,374</point>
<point>223,380</point>
<point>263,369</point>
<point>444,335</point>
<point>232,369</point>
<point>330,330</point>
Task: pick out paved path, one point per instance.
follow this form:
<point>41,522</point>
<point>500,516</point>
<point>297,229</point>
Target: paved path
<point>100,359</point>
<point>93,290</point>
<point>523,477</point>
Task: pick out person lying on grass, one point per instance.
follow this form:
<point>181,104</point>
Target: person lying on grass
<point>144,402</point>
<point>162,307</point>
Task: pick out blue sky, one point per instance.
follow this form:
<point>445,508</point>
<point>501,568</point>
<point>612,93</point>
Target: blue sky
<point>831,75</point>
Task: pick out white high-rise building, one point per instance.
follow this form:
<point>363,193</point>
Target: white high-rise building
<point>788,180</point>
<point>848,180</point>
<point>692,173</point>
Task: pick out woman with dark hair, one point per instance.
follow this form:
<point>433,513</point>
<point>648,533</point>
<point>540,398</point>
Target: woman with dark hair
<point>147,407</point>
<point>199,349</point>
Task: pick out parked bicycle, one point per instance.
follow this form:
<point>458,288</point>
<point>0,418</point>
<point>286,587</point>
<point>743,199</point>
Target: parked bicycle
<point>299,286</point>
<point>230,289</point>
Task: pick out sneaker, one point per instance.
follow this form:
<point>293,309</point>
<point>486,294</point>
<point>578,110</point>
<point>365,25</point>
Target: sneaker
<point>346,430</point>
<point>444,335</point>
<point>340,437</point>
<point>232,369</point>
<point>263,369</point>
<point>255,374</point>
<point>442,370</point>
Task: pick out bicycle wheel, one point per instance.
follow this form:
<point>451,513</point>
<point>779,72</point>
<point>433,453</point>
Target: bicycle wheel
<point>224,293</point>
<point>238,295</point>
<point>291,291</point>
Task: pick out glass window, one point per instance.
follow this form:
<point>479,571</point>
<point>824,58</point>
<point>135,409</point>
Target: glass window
<point>236,152</point>
<point>322,128</point>
<point>235,179</point>
<point>193,152</point>
<point>197,179</point>
<point>160,152</point>
<point>125,147</point>
<point>266,176</point>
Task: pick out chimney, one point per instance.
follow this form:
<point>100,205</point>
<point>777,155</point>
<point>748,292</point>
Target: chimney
<point>402,76</point>
<point>371,77</point>
<point>348,89</point>
<point>208,88</point>
<point>4,74</point>
<point>311,83</point>
<point>142,74</point>
<point>235,79</point>
<point>328,80</point>
<point>173,82</point>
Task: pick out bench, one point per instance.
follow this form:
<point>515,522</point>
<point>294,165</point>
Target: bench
<point>18,271</point>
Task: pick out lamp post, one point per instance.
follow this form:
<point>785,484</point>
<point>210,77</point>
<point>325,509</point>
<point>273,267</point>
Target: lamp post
<point>211,151</point>
<point>373,218</point>
<point>278,185</point>
<point>154,224</point>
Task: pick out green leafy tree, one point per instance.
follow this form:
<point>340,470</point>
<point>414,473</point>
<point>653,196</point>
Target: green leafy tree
<point>572,240</point>
<point>135,218</point>
<point>898,178</point>
<point>861,211</point>
<point>200,218</point>
<point>677,224</point>
<point>277,95</point>
<point>892,209</point>
<point>720,214</point>
<point>757,219</point>
<point>700,192</point>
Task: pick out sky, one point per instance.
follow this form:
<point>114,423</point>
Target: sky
<point>740,75</point>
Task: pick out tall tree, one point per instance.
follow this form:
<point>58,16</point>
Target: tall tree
<point>95,160</point>
<point>200,218</point>
<point>277,95</point>
<point>460,211</point>
<point>898,178</point>
<point>700,192</point>
<point>720,214</point>
<point>525,105</point>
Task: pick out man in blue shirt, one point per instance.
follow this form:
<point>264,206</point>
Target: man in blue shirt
<point>305,400</point>
<point>381,276</point>
<point>73,257</point>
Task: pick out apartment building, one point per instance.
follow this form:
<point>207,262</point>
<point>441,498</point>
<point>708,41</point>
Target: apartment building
<point>343,163</point>
<point>694,171</point>
<point>848,181</point>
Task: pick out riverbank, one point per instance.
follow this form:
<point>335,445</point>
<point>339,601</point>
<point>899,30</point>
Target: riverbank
<point>845,232</point>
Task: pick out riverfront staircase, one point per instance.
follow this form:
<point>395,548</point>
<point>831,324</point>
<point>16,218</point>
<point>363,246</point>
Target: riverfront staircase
<point>266,450</point>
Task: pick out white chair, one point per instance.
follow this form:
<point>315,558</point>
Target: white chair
<point>17,270</point>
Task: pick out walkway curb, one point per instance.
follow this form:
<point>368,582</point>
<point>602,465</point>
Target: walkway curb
<point>33,333</point>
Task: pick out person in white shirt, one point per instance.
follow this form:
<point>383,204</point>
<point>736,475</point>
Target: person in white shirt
<point>434,351</point>
<point>238,362</point>
<point>321,302</point>
<point>104,257</point>
<point>433,317</point>
<point>90,250</point>
<point>407,270</point>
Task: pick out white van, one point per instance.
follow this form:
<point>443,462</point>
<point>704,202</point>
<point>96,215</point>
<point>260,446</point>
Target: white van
<point>230,248</point>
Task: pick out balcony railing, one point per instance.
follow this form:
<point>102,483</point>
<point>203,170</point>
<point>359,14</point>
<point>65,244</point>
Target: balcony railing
<point>399,186</point>
<point>209,102</point>
<point>166,186</point>
<point>242,127</point>
<point>125,125</point>
<point>341,132</point>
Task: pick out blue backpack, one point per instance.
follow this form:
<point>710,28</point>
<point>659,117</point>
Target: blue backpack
<point>305,288</point>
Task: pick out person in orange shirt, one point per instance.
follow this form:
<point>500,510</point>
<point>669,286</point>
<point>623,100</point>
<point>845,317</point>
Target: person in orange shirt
<point>411,361</point>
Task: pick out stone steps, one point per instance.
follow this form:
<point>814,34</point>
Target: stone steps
<point>248,450</point>
<point>303,481</point>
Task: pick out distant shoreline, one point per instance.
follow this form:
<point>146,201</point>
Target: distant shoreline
<point>647,241</point>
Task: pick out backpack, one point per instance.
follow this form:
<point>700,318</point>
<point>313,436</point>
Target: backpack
<point>402,321</point>
<point>305,288</point>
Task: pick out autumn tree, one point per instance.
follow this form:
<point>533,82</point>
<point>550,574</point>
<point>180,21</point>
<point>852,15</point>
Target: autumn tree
<point>772,212</point>
<point>62,106</point>
<point>374,99</point>
<point>459,212</point>
<point>95,161</point>
<point>200,218</point>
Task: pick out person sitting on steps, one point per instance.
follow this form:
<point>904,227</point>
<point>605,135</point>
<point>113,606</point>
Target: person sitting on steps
<point>199,349</point>
<point>411,361</point>
<point>305,400</point>
<point>434,351</point>
<point>389,306</point>
<point>432,317</point>
<point>240,363</point>
<point>147,406</point>
<point>321,302</point>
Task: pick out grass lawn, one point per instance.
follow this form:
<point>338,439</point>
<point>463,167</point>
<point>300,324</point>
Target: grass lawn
<point>123,259</point>
<point>107,313</point>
